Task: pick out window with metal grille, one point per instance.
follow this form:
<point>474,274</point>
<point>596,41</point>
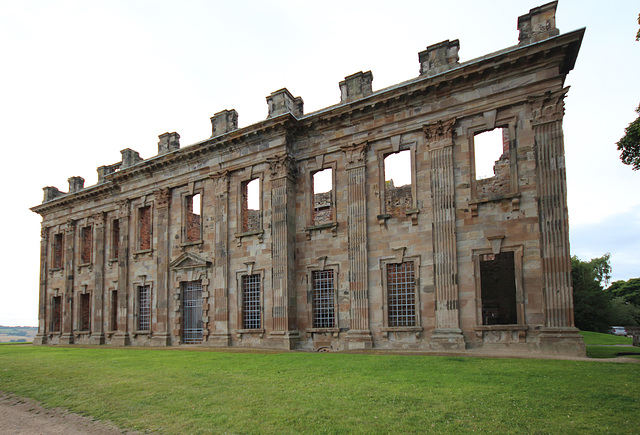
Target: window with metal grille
<point>58,251</point>
<point>191,311</point>
<point>401,296</point>
<point>144,228</point>
<point>85,245</point>
<point>56,313</point>
<point>114,310</point>
<point>115,238</point>
<point>85,312</point>
<point>144,308</point>
<point>193,227</point>
<point>251,302</point>
<point>324,313</point>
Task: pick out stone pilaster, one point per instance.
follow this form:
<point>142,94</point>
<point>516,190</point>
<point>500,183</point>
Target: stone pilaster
<point>359,336</point>
<point>221,336</point>
<point>161,329</point>
<point>447,334</point>
<point>97,321</point>
<point>282,170</point>
<point>67,303</point>
<point>547,112</point>
<point>41,336</point>
<point>121,337</point>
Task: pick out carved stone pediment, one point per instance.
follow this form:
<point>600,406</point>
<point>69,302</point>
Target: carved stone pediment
<point>189,261</point>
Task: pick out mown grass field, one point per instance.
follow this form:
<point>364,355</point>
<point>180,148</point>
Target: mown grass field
<point>609,346</point>
<point>185,391</point>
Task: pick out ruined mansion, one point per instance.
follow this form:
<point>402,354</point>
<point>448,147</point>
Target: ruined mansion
<point>292,233</point>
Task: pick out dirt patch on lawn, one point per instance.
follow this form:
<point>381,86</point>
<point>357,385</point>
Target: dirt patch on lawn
<point>24,416</point>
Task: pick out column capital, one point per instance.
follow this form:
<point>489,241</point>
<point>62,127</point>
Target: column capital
<point>163,197</point>
<point>220,182</point>
<point>282,166</point>
<point>440,133</point>
<point>123,207</point>
<point>548,107</point>
<point>356,154</point>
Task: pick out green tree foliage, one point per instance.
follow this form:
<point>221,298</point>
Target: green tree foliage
<point>591,305</point>
<point>628,291</point>
<point>629,145</point>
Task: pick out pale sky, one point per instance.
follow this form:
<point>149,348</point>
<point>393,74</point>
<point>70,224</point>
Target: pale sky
<point>81,80</point>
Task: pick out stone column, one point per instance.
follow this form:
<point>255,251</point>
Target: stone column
<point>447,334</point>
<point>359,335</point>
<point>220,336</point>
<point>67,304</point>
<point>559,333</point>
<point>41,336</point>
<point>121,337</point>
<point>97,321</point>
<point>161,330</point>
<point>283,214</point>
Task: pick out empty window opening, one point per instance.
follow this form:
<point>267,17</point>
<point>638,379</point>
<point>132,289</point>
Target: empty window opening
<point>85,245</point>
<point>114,310</point>
<point>191,311</point>
<point>323,197</point>
<point>401,297</point>
<point>251,302</point>
<point>85,311</point>
<point>498,289</point>
<point>56,313</point>
<point>492,166</point>
<point>251,205</point>
<point>324,314</point>
<point>144,308</point>
<point>58,250</point>
<point>115,238</point>
<point>144,226</point>
<point>194,218</point>
<point>398,195</point>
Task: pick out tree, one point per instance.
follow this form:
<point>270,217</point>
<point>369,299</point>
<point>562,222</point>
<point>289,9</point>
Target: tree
<point>591,305</point>
<point>630,144</point>
<point>628,291</point>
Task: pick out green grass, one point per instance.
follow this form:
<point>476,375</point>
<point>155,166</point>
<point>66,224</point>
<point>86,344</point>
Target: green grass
<point>608,345</point>
<point>177,391</point>
<point>604,339</point>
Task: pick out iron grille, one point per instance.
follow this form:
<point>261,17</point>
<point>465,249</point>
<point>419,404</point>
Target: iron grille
<point>144,308</point>
<point>85,312</point>
<point>56,315</point>
<point>401,294</point>
<point>324,315</point>
<point>251,304</point>
<point>192,312</point>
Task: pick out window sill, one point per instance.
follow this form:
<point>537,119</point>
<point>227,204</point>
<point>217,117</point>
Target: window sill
<point>417,330</point>
<point>112,260</point>
<point>500,328</point>
<point>239,332</point>
<point>56,269</point>
<point>323,330</point>
<point>142,252</point>
<point>410,213</point>
<point>259,233</point>
<point>330,225</point>
<point>196,243</point>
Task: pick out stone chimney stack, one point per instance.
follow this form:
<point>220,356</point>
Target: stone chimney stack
<point>224,122</point>
<point>50,193</point>
<point>282,101</point>
<point>538,24</point>
<point>76,184</point>
<point>356,86</point>
<point>439,57</point>
<point>168,142</point>
<point>129,158</point>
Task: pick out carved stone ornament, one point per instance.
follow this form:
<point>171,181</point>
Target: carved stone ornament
<point>282,166</point>
<point>71,224</point>
<point>220,181</point>
<point>356,153</point>
<point>439,134</point>
<point>548,107</point>
<point>98,220</point>
<point>189,260</point>
<point>44,231</point>
<point>163,197</point>
<point>124,208</point>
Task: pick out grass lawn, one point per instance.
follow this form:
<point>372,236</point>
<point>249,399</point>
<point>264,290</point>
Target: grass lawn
<point>181,391</point>
<point>608,345</point>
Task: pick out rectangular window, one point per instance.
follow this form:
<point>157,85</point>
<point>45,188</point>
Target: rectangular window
<point>191,311</point>
<point>114,310</point>
<point>144,308</point>
<point>193,218</point>
<point>85,312</point>
<point>401,297</point>
<point>323,197</point>
<point>144,228</point>
<point>251,215</point>
<point>324,313</point>
<point>115,238</point>
<point>86,236</point>
<point>58,250</point>
<point>398,189</point>
<point>498,289</point>
<point>56,313</point>
<point>492,163</point>
<point>251,302</point>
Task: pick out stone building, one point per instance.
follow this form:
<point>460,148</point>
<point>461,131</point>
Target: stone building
<point>290,233</point>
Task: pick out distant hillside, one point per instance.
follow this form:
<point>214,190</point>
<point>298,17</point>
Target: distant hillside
<point>17,333</point>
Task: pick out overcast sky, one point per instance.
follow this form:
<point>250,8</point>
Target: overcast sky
<point>81,80</point>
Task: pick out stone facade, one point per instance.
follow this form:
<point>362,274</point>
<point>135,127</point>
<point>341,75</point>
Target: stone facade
<point>166,251</point>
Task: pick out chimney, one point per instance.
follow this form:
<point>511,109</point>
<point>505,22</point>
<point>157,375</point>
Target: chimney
<point>538,24</point>
<point>76,184</point>
<point>282,101</point>
<point>439,57</point>
<point>129,158</point>
<point>50,193</point>
<point>168,142</point>
<point>224,122</point>
<point>356,86</point>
